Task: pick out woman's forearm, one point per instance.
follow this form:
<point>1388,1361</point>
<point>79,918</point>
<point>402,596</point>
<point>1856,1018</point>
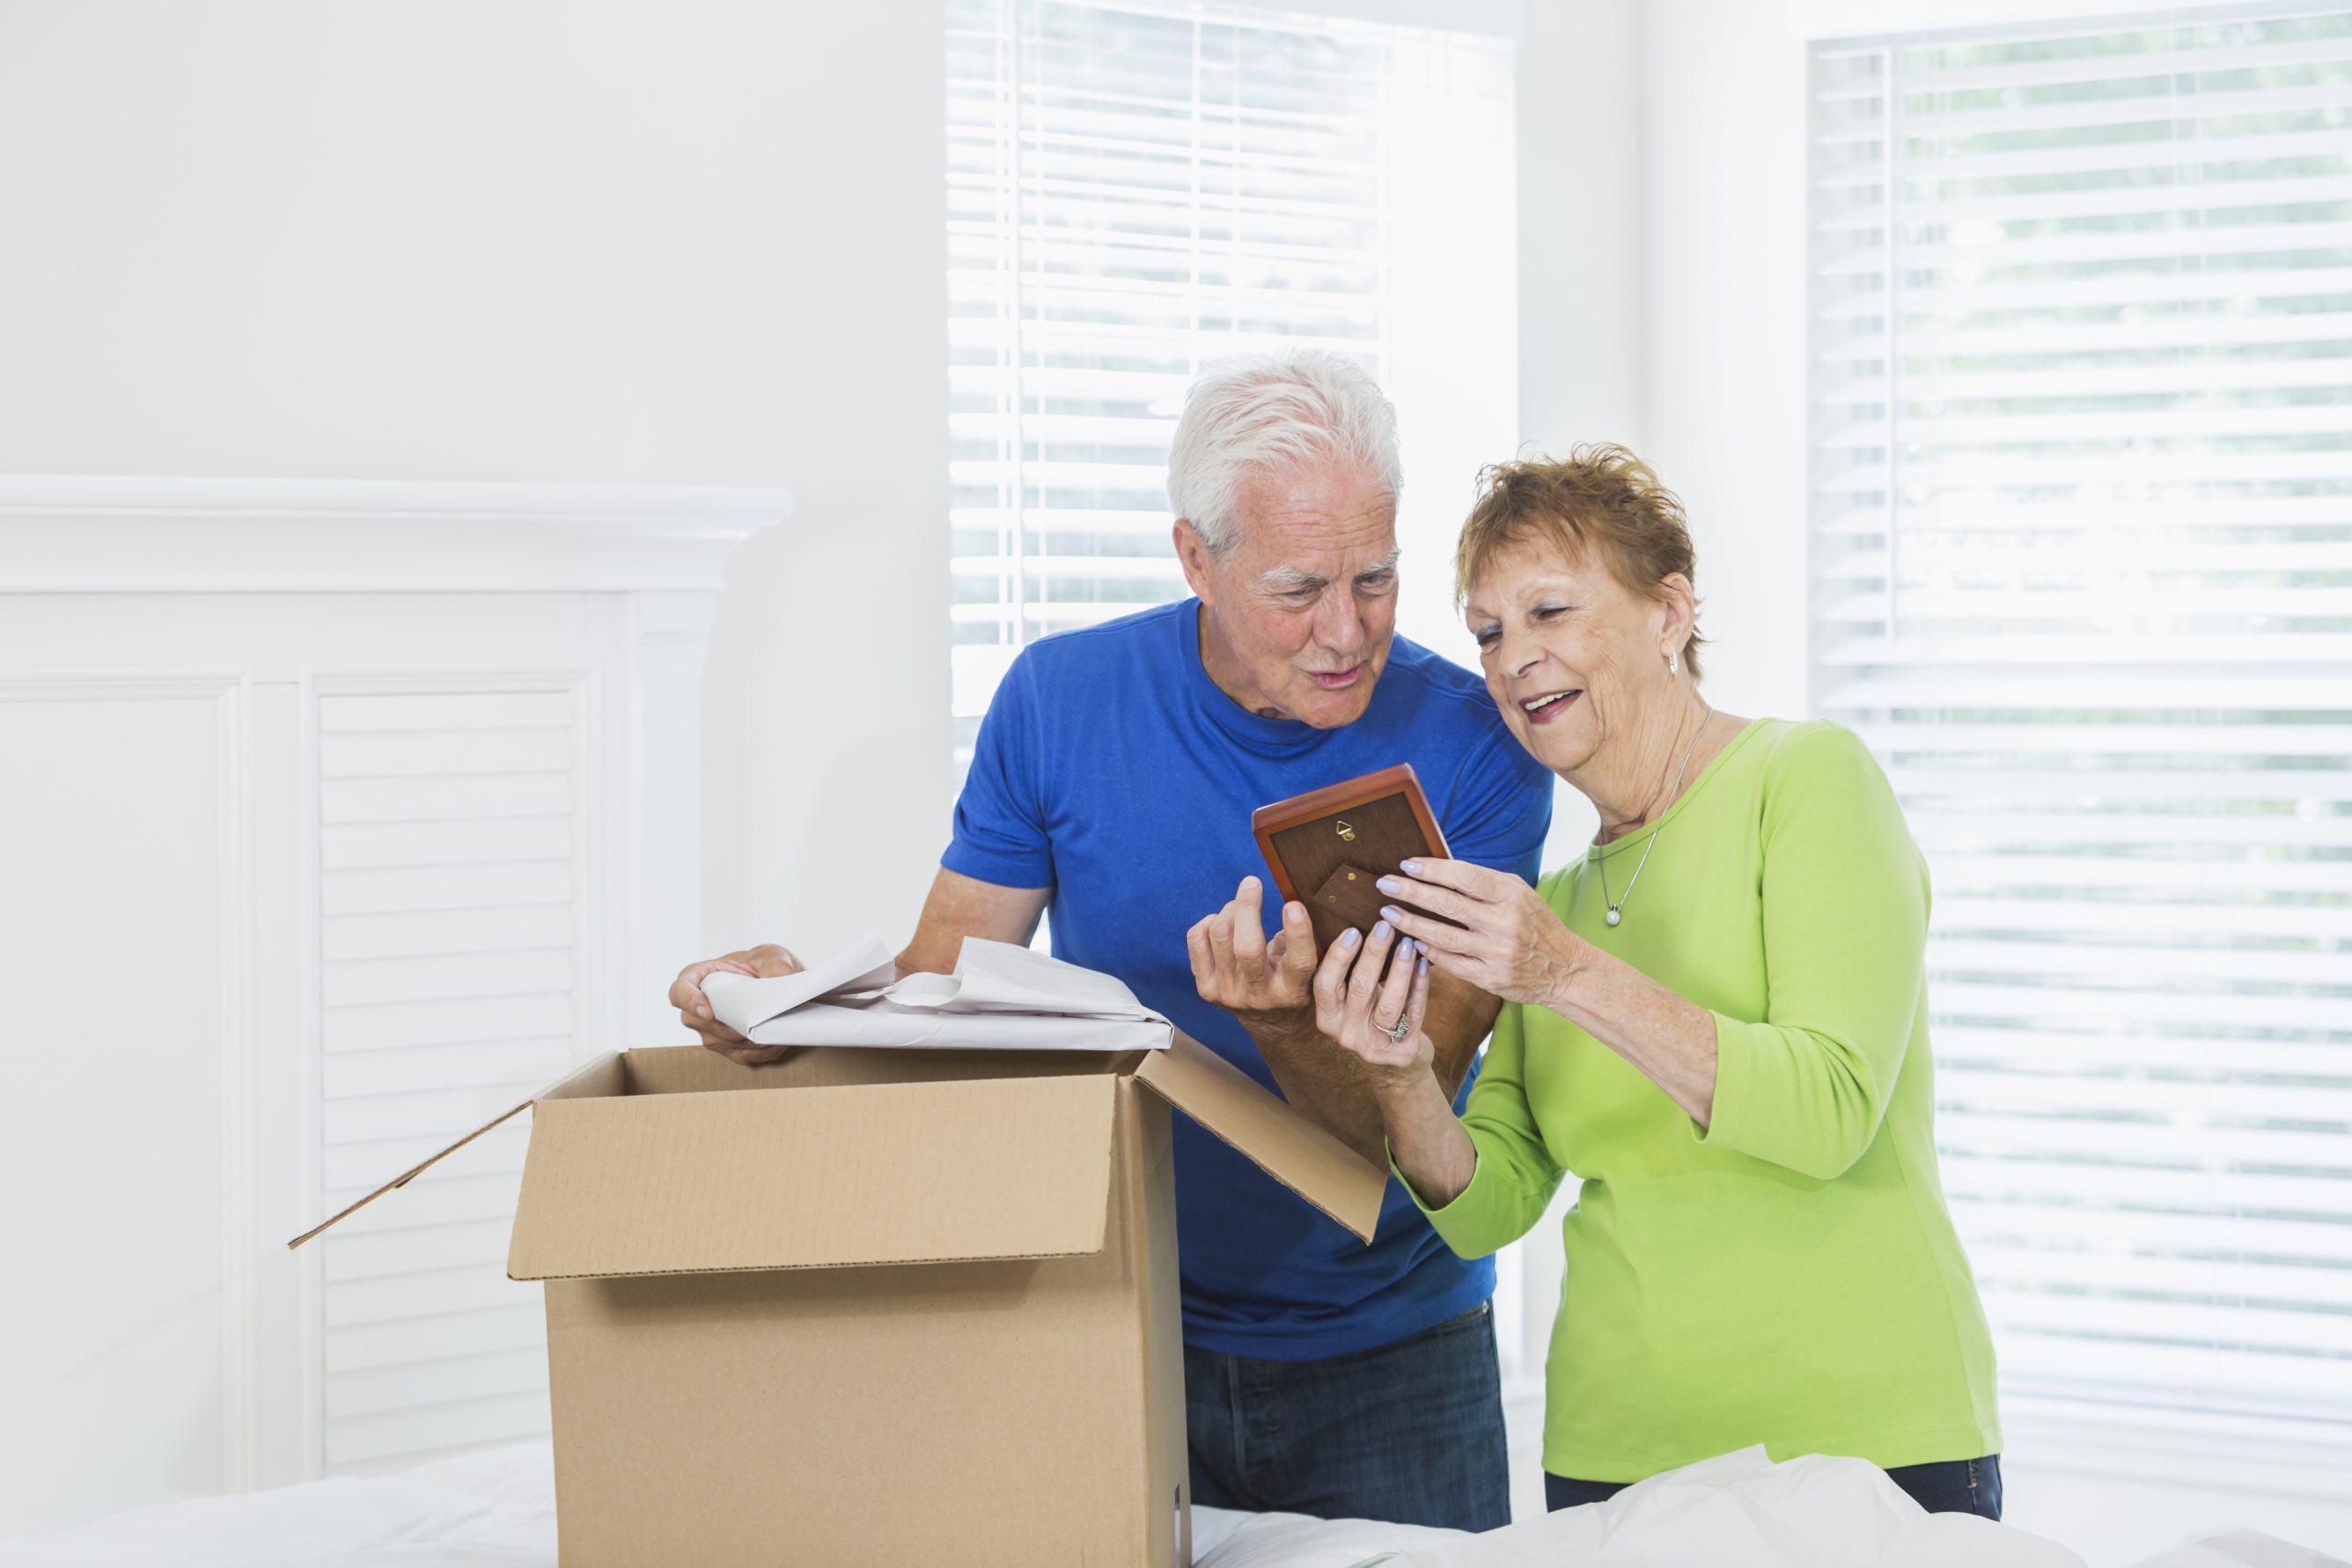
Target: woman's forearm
<point>1669,1037</point>
<point>1432,1151</point>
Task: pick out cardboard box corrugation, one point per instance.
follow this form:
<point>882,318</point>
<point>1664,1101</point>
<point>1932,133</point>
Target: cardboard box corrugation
<point>918,1307</point>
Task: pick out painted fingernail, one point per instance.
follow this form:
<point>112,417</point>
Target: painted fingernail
<point>1410,868</point>
<point>1390,912</point>
<point>1348,937</point>
<point>1380,931</point>
<point>1390,885</point>
<point>1424,967</point>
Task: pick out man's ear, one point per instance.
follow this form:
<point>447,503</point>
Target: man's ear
<point>1192,553</point>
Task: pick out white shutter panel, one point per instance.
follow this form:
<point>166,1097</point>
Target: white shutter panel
<point>449,928</point>
<point>2081,369</point>
<point>1134,191</point>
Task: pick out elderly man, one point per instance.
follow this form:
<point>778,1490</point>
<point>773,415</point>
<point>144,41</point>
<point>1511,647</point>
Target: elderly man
<point>1113,782</point>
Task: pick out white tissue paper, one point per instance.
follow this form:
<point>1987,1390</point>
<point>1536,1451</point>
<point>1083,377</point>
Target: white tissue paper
<point>1000,998</point>
<point>1741,1510</point>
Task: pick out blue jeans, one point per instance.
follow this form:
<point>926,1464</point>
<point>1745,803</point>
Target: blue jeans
<point>1411,1432</point>
<point>1948,1486</point>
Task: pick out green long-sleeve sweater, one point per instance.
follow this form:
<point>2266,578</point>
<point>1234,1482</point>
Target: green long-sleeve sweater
<point>1788,1274</point>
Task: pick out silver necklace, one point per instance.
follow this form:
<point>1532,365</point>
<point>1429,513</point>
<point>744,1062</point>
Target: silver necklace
<point>1617,906</point>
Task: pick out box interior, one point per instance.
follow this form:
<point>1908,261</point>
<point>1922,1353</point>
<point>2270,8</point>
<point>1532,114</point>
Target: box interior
<point>690,1069</point>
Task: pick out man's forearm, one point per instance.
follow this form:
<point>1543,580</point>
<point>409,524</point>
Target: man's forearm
<point>1321,1079</point>
<point>1330,1084</point>
<point>958,907</point>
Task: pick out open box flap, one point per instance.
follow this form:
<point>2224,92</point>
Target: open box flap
<point>600,1076</point>
<point>817,1177</point>
<point>1277,1138</point>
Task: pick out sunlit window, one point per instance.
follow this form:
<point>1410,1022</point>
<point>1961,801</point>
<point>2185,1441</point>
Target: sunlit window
<point>2081,368</point>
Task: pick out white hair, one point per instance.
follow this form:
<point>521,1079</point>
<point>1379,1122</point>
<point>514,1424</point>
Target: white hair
<point>1262,413</point>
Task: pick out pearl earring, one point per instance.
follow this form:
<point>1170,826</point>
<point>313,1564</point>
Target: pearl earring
<point>1671,668</point>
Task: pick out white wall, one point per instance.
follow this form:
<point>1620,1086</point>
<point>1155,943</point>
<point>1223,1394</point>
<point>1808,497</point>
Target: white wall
<point>700,242</point>
<point>1722,327</point>
<point>1662,293</point>
<point>1581,275</point>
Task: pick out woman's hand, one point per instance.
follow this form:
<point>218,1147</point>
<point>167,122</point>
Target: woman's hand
<point>1377,1020</point>
<point>1508,942</point>
<point>1355,1006</point>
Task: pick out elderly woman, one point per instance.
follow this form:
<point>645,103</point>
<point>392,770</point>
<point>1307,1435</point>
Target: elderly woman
<point>1716,1017</point>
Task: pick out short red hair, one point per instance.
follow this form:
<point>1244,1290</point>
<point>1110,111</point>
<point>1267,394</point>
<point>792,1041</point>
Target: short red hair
<point>1598,498</point>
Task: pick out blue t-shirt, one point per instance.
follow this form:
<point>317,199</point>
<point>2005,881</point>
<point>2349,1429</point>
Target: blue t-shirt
<point>1112,770</point>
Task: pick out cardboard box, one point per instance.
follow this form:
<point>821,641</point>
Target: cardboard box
<point>866,1307</point>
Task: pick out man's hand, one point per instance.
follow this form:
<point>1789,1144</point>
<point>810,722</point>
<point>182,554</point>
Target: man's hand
<point>1261,983</point>
<point>694,1008</point>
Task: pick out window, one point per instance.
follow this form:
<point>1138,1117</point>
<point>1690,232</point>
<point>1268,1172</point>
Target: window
<point>2081,493</point>
<point>1136,190</point>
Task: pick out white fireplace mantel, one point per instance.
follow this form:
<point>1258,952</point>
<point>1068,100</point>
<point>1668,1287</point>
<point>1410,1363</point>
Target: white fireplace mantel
<point>81,534</point>
<point>334,816</point>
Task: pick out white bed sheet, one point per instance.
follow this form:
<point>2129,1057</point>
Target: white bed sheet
<point>497,1509</point>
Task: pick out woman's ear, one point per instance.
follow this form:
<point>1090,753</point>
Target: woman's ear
<point>1680,604</point>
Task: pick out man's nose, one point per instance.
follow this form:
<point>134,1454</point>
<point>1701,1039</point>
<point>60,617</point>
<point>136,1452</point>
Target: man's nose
<point>1337,625</point>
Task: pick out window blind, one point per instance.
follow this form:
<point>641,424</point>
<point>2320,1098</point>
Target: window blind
<point>1136,190</point>
<point>2081,573</point>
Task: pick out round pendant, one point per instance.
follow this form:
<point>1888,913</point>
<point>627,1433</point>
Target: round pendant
<point>1613,916</point>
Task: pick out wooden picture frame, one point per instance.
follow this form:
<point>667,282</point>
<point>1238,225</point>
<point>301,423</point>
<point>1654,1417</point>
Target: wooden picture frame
<point>1327,848</point>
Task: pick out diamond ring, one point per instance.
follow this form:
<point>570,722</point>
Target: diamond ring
<point>1396,1031</point>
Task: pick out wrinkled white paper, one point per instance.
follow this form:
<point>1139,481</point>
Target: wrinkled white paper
<point>1742,1509</point>
<point>1000,998</point>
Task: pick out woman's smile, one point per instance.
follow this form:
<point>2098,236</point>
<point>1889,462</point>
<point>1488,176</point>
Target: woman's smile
<point>1549,706</point>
